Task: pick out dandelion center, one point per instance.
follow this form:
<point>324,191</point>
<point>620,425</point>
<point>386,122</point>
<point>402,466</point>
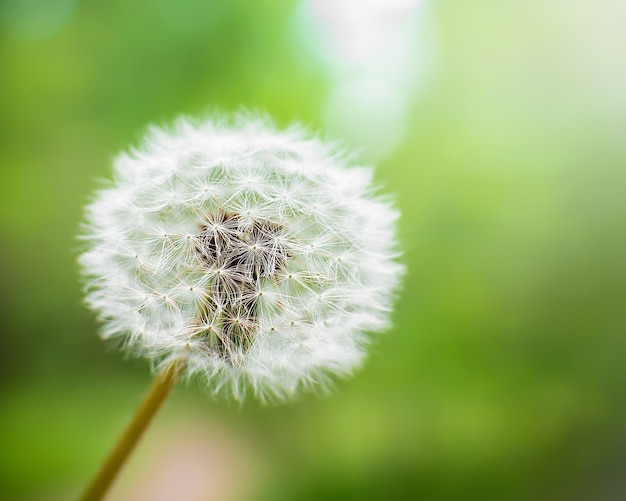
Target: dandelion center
<point>239,252</point>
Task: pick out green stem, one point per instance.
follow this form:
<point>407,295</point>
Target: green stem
<point>155,396</point>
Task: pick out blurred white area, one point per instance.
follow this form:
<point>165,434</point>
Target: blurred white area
<point>35,19</point>
<point>377,53</point>
<point>368,112</point>
<point>594,34</point>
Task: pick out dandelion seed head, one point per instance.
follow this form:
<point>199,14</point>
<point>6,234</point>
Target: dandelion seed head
<point>260,256</point>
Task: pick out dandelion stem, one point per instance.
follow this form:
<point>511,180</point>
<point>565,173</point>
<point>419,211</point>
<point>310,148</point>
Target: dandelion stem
<point>151,403</point>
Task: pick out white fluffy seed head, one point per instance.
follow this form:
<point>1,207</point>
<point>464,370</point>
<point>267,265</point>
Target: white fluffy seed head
<point>257,255</point>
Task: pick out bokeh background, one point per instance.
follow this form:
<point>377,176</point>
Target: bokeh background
<point>500,129</point>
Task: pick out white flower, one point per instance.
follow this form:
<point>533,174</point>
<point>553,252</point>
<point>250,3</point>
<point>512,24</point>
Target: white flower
<point>257,255</point>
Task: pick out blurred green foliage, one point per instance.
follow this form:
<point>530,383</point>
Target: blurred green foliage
<point>504,377</point>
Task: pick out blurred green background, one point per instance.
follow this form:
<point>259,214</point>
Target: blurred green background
<point>504,376</point>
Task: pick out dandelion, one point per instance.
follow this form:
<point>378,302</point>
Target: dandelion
<point>255,259</point>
